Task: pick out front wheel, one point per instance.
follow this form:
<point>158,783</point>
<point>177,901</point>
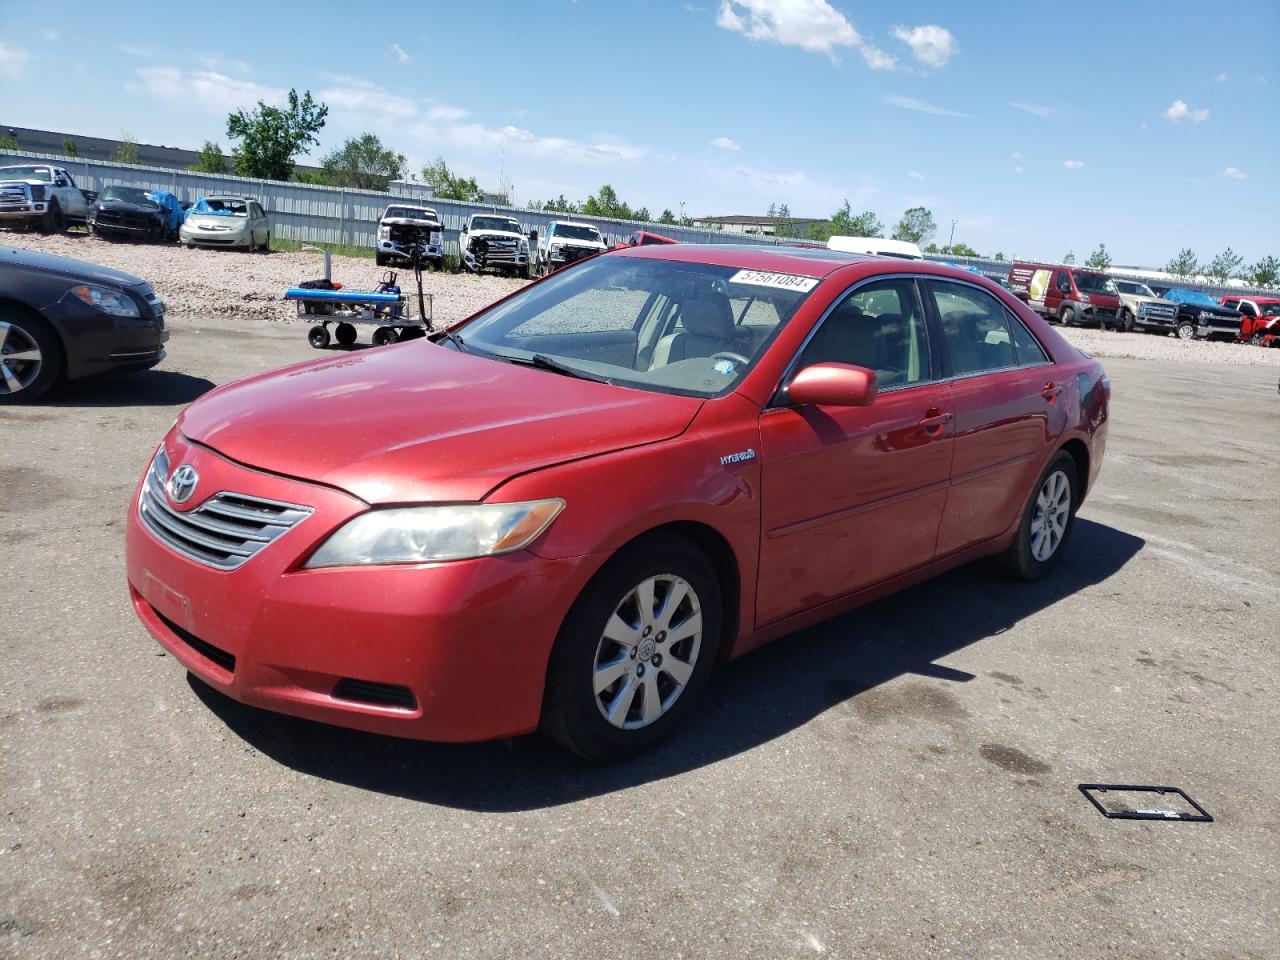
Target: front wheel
<point>1186,330</point>
<point>1126,321</point>
<point>53,221</point>
<point>30,357</point>
<point>1068,317</point>
<point>1047,520</point>
<point>635,651</point>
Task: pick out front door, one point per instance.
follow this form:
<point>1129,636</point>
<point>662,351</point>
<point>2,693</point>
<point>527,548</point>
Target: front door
<point>1008,409</point>
<point>853,495</point>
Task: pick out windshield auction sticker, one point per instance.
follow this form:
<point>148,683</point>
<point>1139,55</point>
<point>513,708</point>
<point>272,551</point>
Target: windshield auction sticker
<point>783,281</point>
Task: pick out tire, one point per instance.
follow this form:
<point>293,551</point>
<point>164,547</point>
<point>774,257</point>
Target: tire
<point>1126,321</point>
<point>27,336</point>
<point>53,221</point>
<point>1030,557</point>
<point>639,670</point>
<point>523,272</point>
<point>1185,330</point>
<point>1068,317</point>
<point>318,336</point>
<point>384,335</point>
<point>345,334</point>
<point>380,259</point>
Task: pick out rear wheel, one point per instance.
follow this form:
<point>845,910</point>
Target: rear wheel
<point>1047,521</point>
<point>30,357</point>
<point>635,651</point>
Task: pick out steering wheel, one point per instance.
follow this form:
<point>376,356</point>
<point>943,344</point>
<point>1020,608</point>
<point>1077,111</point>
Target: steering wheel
<point>727,355</point>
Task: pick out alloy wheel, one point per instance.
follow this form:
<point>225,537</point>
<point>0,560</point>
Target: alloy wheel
<point>20,359</point>
<point>647,652</point>
<point>1053,510</point>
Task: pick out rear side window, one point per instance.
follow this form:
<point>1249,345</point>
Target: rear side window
<point>1025,345</point>
<point>879,326</point>
<point>975,327</point>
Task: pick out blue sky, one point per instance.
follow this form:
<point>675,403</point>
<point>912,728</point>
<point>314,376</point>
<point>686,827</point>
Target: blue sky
<point>1039,129</point>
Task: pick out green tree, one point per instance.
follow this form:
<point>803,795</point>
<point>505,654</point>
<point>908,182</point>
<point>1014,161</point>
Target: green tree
<point>667,217</point>
<point>560,205</point>
<point>1184,264</point>
<point>1069,257</point>
<point>963,250</point>
<point>606,204</point>
<point>362,162</point>
<point>1265,273</point>
<point>210,159</point>
<point>1225,265</point>
<point>271,137</point>
<point>1099,259</point>
<point>70,148</point>
<point>916,226</point>
<point>9,143</point>
<point>931,248</point>
<point>451,186</point>
<point>998,255</point>
<point>642,214</point>
<point>844,223</point>
<point>310,176</point>
<point>126,150</point>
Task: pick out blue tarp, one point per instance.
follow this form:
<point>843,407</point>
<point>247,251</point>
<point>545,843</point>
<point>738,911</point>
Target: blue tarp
<point>173,212</point>
<point>202,207</point>
<point>341,296</point>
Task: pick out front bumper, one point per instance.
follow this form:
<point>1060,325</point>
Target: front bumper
<point>566,255</point>
<point>21,211</point>
<point>432,251</point>
<point>1218,327</point>
<point>466,643</point>
<point>98,342</point>
<point>215,238</point>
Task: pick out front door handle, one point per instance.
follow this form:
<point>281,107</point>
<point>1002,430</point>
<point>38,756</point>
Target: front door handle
<point>935,420</point>
<point>1050,391</point>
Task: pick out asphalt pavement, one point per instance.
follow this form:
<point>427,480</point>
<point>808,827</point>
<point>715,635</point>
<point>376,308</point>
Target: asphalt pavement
<point>898,782</point>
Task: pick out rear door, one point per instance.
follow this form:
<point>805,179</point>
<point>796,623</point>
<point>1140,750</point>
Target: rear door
<point>854,495</point>
<point>1008,403</point>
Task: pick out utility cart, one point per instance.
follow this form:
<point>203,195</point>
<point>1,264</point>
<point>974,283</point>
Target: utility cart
<point>385,309</point>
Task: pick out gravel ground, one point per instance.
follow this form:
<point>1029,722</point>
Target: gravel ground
<point>236,284</point>
<point>227,283</point>
<point>896,783</point>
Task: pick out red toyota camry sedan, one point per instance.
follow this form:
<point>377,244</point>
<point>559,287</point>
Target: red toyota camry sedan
<point>564,511</point>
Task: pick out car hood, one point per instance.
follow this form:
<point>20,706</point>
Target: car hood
<point>419,422</point>
<point>213,219</point>
<point>1217,309</point>
<point>1140,298</point>
<point>495,234</point>
<point>568,241</point>
<point>126,207</point>
<point>408,222</point>
<point>65,266</point>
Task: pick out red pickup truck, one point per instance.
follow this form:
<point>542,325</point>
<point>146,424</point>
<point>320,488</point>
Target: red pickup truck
<point>1068,294</point>
<point>1261,321</point>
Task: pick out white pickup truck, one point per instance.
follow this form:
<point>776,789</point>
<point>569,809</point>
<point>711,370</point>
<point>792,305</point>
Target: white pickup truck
<point>491,241</point>
<point>566,242</point>
<point>404,229</point>
<point>41,195</point>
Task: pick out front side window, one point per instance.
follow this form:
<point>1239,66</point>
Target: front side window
<point>1064,281</point>
<point>975,327</point>
<point>879,326</point>
<point>686,328</point>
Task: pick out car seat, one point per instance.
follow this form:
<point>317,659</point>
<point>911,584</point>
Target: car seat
<point>707,329</point>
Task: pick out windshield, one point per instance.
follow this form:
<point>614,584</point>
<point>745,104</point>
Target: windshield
<point>228,205</point>
<point>685,328</point>
<point>505,224</point>
<point>43,174</point>
<point>1095,283</point>
<point>1191,296</point>
<point>564,231</point>
<point>409,213</point>
<point>1134,289</point>
<point>128,195</point>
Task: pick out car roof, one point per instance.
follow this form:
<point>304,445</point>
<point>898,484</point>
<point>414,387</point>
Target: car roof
<point>572,223</point>
<point>805,261</point>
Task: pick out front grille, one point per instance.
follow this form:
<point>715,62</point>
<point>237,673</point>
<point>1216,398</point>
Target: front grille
<point>223,658</point>
<point>224,531</point>
<point>499,250</point>
<point>128,221</point>
<point>378,694</point>
<point>1156,311</point>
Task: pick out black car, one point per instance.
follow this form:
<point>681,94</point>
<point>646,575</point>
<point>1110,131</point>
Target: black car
<point>63,319</point>
<point>129,212</point>
<point>1199,315</point>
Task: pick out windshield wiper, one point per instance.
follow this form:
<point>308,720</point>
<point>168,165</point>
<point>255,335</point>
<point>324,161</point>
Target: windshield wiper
<point>452,338</point>
<point>550,363</point>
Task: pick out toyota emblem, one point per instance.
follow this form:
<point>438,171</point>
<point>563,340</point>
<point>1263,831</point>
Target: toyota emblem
<point>182,483</point>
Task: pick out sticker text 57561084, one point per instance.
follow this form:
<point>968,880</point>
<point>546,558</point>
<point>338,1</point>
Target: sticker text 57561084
<point>783,281</point>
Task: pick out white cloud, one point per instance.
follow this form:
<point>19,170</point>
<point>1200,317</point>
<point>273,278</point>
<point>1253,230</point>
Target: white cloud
<point>1016,157</point>
<point>915,174</point>
<point>366,102</point>
<point>724,143</point>
<point>1073,164</point>
<point>931,45</point>
<point>910,103</point>
<point>212,91</point>
<point>1179,111</point>
<point>1035,109</point>
<point>1220,77</point>
<point>397,51</point>
<point>446,113</point>
<point>812,25</point>
<point>51,35</point>
<point>1231,173</point>
<point>11,61</point>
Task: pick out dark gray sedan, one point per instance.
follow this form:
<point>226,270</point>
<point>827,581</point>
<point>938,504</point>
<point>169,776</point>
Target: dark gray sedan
<point>64,319</point>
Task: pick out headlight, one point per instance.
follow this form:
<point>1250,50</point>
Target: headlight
<point>1204,315</point>
<point>37,192</point>
<point>1084,298</point>
<point>524,246</point>
<point>430,534</point>
<point>108,301</point>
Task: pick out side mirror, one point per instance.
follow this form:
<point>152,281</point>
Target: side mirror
<point>833,385</point>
